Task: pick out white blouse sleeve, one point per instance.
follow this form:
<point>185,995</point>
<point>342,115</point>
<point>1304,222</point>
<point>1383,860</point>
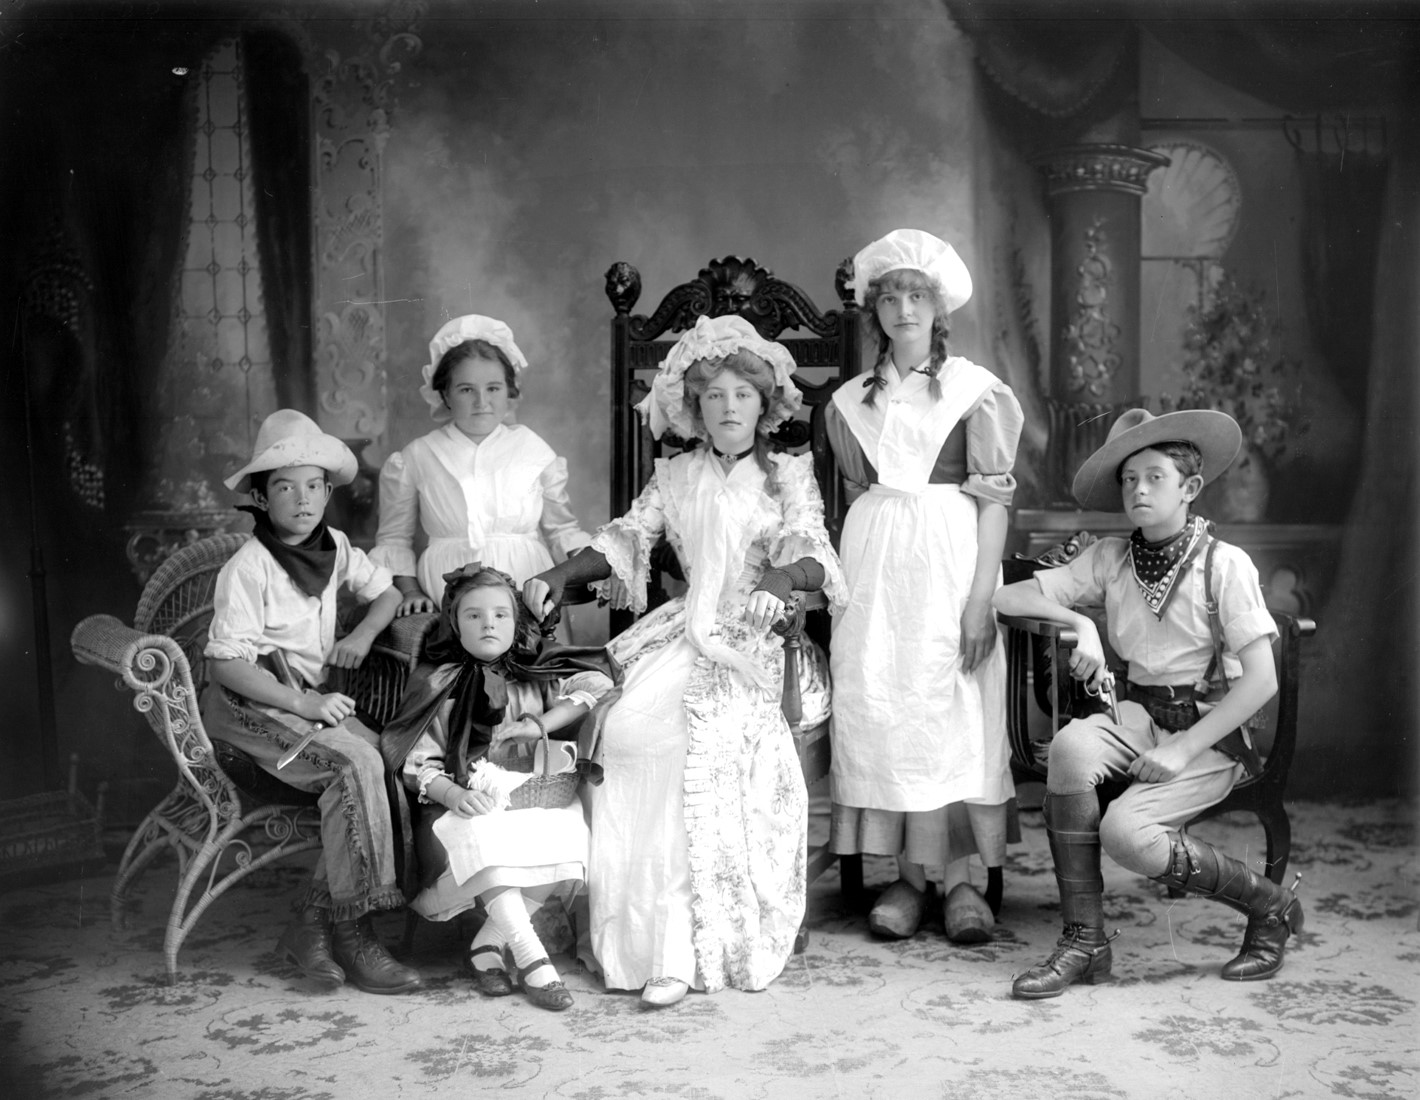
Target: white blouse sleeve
<point>560,529</point>
<point>238,614</point>
<point>803,533</point>
<point>627,543</point>
<point>399,518</point>
<point>425,762</point>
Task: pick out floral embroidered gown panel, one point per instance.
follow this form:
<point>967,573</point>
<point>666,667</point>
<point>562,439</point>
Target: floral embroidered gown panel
<point>698,833</point>
<point>502,502</point>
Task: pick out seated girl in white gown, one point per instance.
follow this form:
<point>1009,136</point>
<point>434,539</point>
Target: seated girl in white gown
<point>697,867</point>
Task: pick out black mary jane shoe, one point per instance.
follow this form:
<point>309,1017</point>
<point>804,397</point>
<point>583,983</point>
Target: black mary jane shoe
<point>554,996</point>
<point>494,981</point>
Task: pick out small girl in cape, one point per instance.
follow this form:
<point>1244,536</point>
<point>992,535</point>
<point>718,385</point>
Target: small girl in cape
<point>470,718</point>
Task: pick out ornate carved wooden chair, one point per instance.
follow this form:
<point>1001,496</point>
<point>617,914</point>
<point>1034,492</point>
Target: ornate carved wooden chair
<point>828,352</point>
<point>1036,656</point>
<point>225,818</point>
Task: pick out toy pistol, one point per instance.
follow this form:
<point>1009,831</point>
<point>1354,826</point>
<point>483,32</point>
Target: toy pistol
<point>1106,694</point>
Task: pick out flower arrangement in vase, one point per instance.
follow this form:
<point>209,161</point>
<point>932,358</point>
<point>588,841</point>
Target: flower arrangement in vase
<point>1230,363</point>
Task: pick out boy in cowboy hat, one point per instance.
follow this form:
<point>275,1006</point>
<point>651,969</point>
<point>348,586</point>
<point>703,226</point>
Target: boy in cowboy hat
<point>1184,610</point>
<point>271,638</point>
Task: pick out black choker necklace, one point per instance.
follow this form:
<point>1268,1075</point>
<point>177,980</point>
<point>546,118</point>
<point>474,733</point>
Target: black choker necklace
<point>731,458</point>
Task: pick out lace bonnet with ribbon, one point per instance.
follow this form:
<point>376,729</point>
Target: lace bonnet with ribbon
<point>712,338</point>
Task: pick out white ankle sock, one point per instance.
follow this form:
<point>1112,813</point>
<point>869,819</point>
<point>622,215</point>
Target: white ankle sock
<point>490,935</point>
<point>510,913</point>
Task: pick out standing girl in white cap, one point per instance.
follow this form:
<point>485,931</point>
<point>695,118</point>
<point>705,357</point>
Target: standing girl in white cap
<point>926,443</point>
<point>482,489</point>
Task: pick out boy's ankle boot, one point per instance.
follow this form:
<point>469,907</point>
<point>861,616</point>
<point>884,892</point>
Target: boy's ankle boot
<point>1082,953</point>
<point>306,942</point>
<point>1273,912</point>
<point>367,964</point>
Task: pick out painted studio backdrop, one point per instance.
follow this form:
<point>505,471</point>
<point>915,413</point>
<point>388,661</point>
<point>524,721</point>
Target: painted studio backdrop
<point>212,210</point>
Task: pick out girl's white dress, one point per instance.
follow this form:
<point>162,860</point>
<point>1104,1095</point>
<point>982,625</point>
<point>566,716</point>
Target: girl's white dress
<point>522,848</point>
<point>502,502</point>
<point>698,832</point>
<point>911,730</point>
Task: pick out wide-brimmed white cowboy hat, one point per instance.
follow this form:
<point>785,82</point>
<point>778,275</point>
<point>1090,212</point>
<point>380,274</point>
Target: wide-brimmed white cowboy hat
<point>913,250</point>
<point>290,438</point>
<point>1215,434</point>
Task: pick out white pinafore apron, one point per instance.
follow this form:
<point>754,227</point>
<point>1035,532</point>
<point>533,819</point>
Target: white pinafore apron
<point>911,730</point>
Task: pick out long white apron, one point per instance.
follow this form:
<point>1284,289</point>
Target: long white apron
<point>911,730</point>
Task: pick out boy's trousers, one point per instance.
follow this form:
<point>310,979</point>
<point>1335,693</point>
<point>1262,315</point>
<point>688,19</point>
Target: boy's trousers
<point>1134,830</point>
<point>356,871</point>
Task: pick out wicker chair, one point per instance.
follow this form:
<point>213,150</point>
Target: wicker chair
<point>222,805</point>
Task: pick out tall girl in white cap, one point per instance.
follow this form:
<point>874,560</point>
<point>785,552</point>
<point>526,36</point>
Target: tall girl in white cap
<point>482,489</point>
<point>926,443</point>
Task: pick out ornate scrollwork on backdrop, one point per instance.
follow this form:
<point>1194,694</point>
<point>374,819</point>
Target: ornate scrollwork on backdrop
<point>1090,334</point>
<point>354,95</point>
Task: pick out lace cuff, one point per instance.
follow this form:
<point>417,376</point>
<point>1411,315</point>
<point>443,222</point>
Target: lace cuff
<point>427,776</point>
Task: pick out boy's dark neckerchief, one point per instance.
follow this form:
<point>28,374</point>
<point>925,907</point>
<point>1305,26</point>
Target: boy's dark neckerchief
<point>310,564</point>
<point>1157,566</point>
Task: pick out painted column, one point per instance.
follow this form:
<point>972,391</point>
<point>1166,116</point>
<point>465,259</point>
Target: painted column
<point>1093,194</point>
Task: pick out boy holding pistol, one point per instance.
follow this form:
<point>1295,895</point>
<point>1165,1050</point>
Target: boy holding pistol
<point>1186,613</point>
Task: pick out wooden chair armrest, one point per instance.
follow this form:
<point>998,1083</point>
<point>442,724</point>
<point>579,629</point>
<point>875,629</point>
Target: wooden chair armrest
<point>1064,636</point>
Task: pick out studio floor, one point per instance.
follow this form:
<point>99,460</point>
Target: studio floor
<point>86,1011</point>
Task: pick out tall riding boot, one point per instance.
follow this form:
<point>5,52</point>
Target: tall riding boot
<point>1082,954</point>
<point>306,942</point>
<point>366,962</point>
<point>1273,912</point>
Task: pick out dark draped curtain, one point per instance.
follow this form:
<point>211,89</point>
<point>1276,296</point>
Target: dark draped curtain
<point>102,167</point>
<point>279,134</point>
<point>1343,195</point>
<point>94,185</point>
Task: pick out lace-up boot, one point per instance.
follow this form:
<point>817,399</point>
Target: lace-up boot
<point>1082,954</point>
<point>367,964</point>
<point>306,942</point>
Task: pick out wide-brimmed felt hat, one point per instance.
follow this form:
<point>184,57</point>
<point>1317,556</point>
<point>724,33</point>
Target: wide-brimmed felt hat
<point>913,250</point>
<point>1215,434</point>
<point>471,326</point>
<point>290,438</point>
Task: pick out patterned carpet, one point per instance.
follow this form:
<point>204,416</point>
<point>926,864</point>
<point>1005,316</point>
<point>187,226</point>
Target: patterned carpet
<point>85,1012</point>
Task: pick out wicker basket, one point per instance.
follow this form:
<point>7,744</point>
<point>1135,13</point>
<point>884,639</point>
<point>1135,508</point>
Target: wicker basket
<point>545,792</point>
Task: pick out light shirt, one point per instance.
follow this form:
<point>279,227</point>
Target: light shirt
<point>257,607</point>
<point>1178,648</point>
